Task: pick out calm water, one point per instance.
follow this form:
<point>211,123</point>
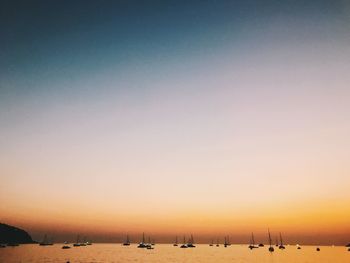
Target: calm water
<point>168,254</point>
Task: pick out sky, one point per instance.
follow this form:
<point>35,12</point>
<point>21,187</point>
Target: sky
<point>175,117</point>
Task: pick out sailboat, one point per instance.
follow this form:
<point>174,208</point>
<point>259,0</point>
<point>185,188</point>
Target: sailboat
<point>271,249</point>
<point>227,241</point>
<point>175,244</point>
<point>77,244</point>
<point>212,243</point>
<point>191,242</point>
<point>142,244</point>
<point>127,241</point>
<point>84,243</point>
<point>281,244</point>
<point>45,242</point>
<point>184,245</point>
<point>88,243</point>
<point>217,243</point>
<point>252,242</point>
<point>149,244</point>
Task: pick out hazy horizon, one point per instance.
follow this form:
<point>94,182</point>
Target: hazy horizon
<point>206,117</point>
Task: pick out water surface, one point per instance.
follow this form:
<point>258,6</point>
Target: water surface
<point>164,253</point>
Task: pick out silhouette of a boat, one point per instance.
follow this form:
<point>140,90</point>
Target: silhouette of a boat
<point>45,242</point>
<point>149,244</point>
<point>184,245</point>
<point>12,244</point>
<point>77,244</point>
<point>142,244</point>
<point>252,242</point>
<point>190,242</point>
<point>127,241</point>
<point>227,241</point>
<point>271,249</point>
<point>175,244</point>
<point>281,246</point>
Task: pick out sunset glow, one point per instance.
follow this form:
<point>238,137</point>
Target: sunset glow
<point>210,121</point>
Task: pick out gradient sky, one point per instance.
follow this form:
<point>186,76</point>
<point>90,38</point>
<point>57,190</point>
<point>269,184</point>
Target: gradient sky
<point>204,117</point>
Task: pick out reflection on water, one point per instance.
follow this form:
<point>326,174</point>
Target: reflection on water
<point>167,253</point>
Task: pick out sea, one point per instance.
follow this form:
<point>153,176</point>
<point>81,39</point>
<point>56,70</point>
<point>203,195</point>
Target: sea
<point>167,253</point>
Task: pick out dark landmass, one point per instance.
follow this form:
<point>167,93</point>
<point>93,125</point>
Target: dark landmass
<point>14,235</point>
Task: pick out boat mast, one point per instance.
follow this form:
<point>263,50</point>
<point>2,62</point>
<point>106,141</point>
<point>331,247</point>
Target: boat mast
<point>281,239</point>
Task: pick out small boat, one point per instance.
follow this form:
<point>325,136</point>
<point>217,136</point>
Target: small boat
<point>142,244</point>
<point>271,249</point>
<point>184,245</point>
<point>127,241</point>
<point>66,247</point>
<point>252,242</point>
<point>77,244</point>
<point>227,241</point>
<point>261,245</point>
<point>217,243</point>
<point>298,247</point>
<point>45,242</point>
<point>212,243</point>
<point>175,244</point>
<point>2,245</point>
<point>281,246</point>
<point>12,244</point>
<point>84,243</point>
<point>318,249</point>
<point>149,244</point>
<point>191,242</point>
